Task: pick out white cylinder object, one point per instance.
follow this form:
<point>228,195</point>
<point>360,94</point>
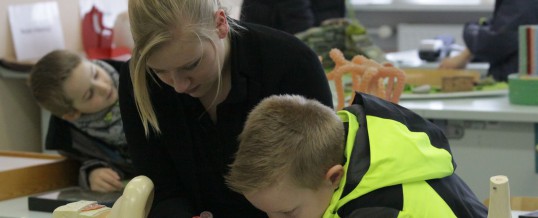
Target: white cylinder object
<point>499,197</point>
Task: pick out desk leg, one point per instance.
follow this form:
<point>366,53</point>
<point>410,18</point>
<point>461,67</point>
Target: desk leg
<point>536,147</point>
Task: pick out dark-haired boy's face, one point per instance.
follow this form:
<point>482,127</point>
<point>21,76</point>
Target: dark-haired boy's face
<point>287,200</point>
<point>90,88</point>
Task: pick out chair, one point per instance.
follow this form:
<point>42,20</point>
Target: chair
<point>97,38</point>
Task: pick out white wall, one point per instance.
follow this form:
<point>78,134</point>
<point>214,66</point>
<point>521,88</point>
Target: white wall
<point>20,125</point>
<point>497,148</point>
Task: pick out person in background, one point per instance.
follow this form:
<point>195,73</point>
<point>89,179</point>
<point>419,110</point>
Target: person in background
<point>496,40</point>
<point>291,16</point>
<point>85,125</point>
<point>122,32</point>
<point>298,158</point>
<point>194,75</point>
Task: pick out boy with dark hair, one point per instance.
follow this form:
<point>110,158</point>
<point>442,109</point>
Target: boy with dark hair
<point>85,124</point>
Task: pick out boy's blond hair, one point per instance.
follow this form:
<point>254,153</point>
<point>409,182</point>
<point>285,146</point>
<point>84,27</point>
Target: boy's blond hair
<point>47,79</point>
<point>287,135</point>
<point>152,25</point>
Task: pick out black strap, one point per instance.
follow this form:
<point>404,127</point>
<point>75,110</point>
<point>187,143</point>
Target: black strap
<point>383,202</point>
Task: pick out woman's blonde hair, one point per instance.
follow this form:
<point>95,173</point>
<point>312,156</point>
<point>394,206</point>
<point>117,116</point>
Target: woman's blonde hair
<point>287,135</point>
<point>152,24</point>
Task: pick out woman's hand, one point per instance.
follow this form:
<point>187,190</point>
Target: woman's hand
<point>105,180</point>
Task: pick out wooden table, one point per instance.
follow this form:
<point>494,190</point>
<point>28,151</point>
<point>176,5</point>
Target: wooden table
<point>26,173</point>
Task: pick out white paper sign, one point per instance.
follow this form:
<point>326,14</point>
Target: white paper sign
<point>36,29</point>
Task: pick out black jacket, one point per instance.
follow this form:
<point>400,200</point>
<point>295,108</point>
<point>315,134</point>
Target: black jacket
<point>291,16</point>
<point>188,160</point>
<point>387,176</point>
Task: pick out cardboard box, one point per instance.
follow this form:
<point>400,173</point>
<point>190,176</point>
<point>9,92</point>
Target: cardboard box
<point>48,201</point>
<point>457,84</point>
<point>26,173</point>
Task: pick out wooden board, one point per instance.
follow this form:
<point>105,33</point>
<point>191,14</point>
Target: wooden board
<point>32,173</point>
<point>444,95</point>
<point>434,77</point>
<point>523,203</point>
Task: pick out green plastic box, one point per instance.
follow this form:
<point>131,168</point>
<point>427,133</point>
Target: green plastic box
<point>523,90</point>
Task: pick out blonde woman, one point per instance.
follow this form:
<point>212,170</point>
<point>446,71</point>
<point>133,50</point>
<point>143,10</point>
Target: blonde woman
<point>193,77</point>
